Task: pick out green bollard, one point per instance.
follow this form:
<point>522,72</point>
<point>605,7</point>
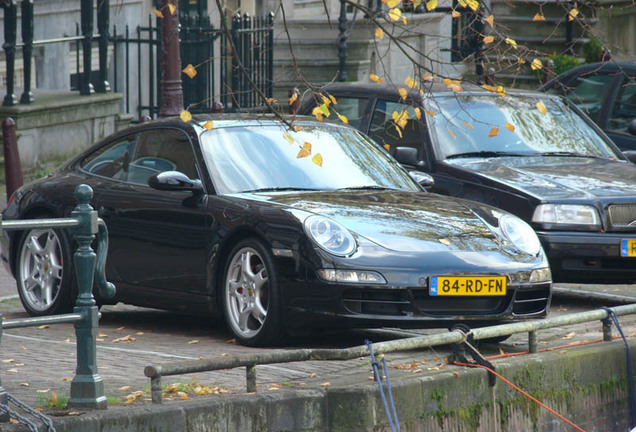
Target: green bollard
<point>87,387</point>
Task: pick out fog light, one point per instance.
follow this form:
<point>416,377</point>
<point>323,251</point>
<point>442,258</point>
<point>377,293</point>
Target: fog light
<point>352,276</point>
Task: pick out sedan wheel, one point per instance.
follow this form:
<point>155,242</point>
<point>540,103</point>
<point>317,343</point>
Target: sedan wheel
<point>43,285</point>
<point>250,295</point>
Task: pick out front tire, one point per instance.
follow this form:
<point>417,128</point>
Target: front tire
<point>250,295</point>
<point>43,272</point>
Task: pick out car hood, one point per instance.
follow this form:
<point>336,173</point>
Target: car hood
<point>397,220</point>
<point>553,178</point>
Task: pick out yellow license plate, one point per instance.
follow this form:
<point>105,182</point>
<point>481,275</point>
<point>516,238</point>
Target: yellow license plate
<point>628,247</point>
<point>467,286</point>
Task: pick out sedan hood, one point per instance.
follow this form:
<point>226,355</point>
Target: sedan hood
<point>556,177</point>
<point>396,220</point>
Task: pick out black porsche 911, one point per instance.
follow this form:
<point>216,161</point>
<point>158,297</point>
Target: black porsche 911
<point>276,228</point>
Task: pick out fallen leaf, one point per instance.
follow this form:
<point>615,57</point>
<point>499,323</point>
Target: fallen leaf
<point>325,384</point>
<point>303,153</point>
<point>102,335</point>
<point>541,107</point>
<point>208,125</point>
<point>493,132</point>
<point>14,421</point>
<point>317,159</point>
<point>24,384</point>
<point>127,338</point>
<point>43,391</point>
<point>125,388</point>
<point>510,127</point>
<point>139,333</point>
<point>23,348</point>
<point>121,328</point>
<point>569,335</point>
<point>99,340</point>
<point>563,352</point>
<point>183,395</point>
<point>12,370</point>
<point>8,361</point>
<point>67,379</point>
<point>232,341</point>
<point>44,327</point>
<point>67,340</point>
<point>456,374</point>
<point>192,342</point>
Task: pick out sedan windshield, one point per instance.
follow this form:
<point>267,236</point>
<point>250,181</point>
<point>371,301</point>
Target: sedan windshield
<point>268,157</point>
<point>495,126</point>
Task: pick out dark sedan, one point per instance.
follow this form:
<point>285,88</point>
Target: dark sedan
<point>606,92</point>
<point>532,154</point>
<point>278,228</point>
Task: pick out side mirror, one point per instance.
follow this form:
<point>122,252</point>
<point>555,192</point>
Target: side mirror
<point>174,181</point>
<point>630,155</point>
<point>631,127</point>
<point>425,180</point>
<point>406,155</point>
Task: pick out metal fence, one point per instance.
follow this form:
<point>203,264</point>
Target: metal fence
<point>87,388</point>
<point>234,67</point>
<point>250,361</point>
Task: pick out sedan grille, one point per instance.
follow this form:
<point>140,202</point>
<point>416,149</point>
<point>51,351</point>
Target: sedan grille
<point>622,216</point>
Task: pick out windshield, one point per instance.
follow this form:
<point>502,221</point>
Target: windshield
<point>266,157</point>
<point>464,126</point>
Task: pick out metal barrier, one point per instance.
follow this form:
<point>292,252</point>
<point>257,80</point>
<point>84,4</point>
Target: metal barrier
<point>249,361</point>
<point>87,387</point>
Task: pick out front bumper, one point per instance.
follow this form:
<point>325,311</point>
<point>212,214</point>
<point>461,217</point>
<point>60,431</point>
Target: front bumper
<point>588,257</point>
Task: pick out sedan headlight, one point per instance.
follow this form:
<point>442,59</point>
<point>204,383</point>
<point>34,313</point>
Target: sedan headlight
<point>330,235</point>
<point>567,214</point>
<point>520,234</point>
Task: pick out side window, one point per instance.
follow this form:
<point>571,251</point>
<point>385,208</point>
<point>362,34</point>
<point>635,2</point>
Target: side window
<point>111,160</point>
<point>352,108</point>
<point>161,150</point>
<point>588,92</point>
<point>624,109</point>
<point>385,132</point>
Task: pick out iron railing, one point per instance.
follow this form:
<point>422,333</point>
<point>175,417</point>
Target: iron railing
<point>87,387</point>
<point>250,361</point>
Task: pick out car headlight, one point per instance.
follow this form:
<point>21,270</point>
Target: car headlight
<point>520,234</point>
<point>567,214</point>
<point>330,235</point>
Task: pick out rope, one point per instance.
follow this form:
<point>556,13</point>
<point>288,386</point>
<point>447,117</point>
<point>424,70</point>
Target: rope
<point>391,414</point>
<point>522,392</point>
<point>630,373</point>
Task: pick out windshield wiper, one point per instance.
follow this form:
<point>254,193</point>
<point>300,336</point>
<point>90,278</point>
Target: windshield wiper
<point>366,188</point>
<point>279,189</point>
<point>484,153</point>
<point>568,154</point>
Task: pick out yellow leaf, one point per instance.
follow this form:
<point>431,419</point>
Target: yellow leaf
<point>317,112</point>
<point>403,93</point>
<point>490,20</point>
<point>190,71</point>
<point>487,87</point>
<point>127,338</point>
<point>400,118</point>
<point>12,370</point>
<point>510,127</point>
<point>453,134</point>
<point>208,125</point>
<point>511,42</point>
<point>375,78</point>
<point>431,4</point>
<point>387,147</point>
<point>469,125</point>
<point>427,77</point>
<point>431,113</point>
<point>536,64</point>
<point>416,3</point>
<point>186,116</point>
<point>410,82</point>
<point>343,119</point>
<point>521,61</point>
<point>453,85</point>
<point>573,13</point>
<point>232,341</point>
<point>317,159</point>
<point>293,98</point>
<point>379,33</point>
<point>399,130</point>
<point>67,379</point>
<point>273,101</point>
<point>462,3</point>
<point>500,90</point>
<point>418,113</point>
<point>404,20</point>
<point>288,138</point>
<point>489,40</point>
<point>333,100</point>
<point>303,153</point>
<point>538,17</point>
<point>324,108</point>
<point>326,384</point>
<point>44,327</point>
<point>307,146</point>
<point>455,14</point>
<point>392,3</point>
<point>172,8</point>
<point>325,101</point>
<point>395,14</point>
<point>158,13</point>
<point>473,4</point>
<point>541,107</point>
<point>493,132</point>
<point>25,384</point>
<point>183,395</point>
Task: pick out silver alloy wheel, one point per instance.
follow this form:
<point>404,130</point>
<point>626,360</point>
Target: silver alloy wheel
<point>40,269</point>
<point>247,293</point>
